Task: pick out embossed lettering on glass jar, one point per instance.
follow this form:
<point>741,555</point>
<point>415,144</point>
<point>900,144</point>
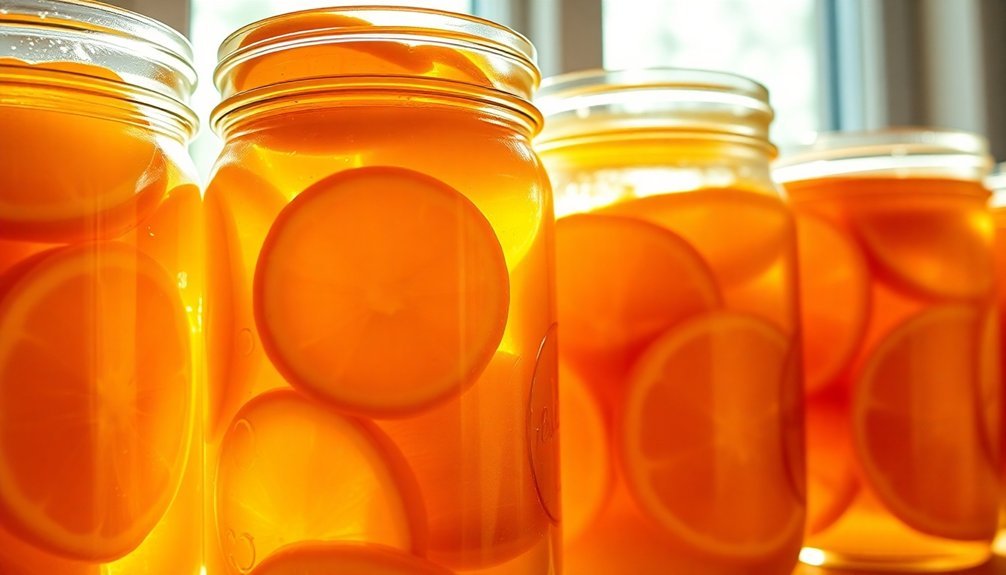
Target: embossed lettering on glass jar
<point>380,236</point>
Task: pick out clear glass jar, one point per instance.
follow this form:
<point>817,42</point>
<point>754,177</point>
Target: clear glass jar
<point>100,294</point>
<point>679,352</point>
<point>895,243</point>
<point>380,238</point>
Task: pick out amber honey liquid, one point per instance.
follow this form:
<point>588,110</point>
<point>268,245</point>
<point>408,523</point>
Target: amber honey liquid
<point>100,307</point>
<point>902,377</point>
<point>382,345</point>
<point>679,381</point>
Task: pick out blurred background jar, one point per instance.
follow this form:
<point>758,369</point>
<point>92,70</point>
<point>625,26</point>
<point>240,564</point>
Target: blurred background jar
<point>897,291</point>
<point>382,358</point>
<point>100,294</point>
<point>680,394</point>
<point>996,183</point>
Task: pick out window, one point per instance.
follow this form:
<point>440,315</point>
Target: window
<point>776,46</point>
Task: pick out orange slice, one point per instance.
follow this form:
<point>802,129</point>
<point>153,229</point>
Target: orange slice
<point>834,297</point>
<point>703,441</point>
<point>239,208</point>
<point>381,290</point>
<point>293,470</point>
<point>917,427</point>
<point>345,558</point>
<point>585,455</point>
<point>738,232</point>
<point>621,283</point>
<point>471,461</point>
<point>831,473</point>
<point>56,185</point>
<point>95,400</point>
<point>935,246</point>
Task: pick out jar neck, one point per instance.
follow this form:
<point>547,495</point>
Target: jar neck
<point>48,87</point>
<point>256,108</point>
<point>685,151</point>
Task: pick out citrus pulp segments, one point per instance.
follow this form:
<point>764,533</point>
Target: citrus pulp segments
<point>738,232</point>
<point>292,469</point>
<point>834,296</point>
<point>703,441</point>
<point>57,186</point>
<point>621,282</point>
<point>918,427</point>
<point>345,558</point>
<point>94,379</point>
<point>382,291</point>
<point>937,247</point>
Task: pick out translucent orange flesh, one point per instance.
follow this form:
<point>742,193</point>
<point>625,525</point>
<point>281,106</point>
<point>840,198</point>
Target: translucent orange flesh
<point>386,283</point>
<point>345,559</point>
<point>681,326</point>
<point>108,404</point>
<point>902,436</point>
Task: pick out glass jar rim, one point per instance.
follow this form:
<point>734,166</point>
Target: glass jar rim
<point>685,99</point>
<point>154,61</point>
<point>897,151</point>
<point>402,20</point>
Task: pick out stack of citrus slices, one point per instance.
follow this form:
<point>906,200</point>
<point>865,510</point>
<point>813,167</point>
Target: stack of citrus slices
<point>678,381</point>
<point>96,376</point>
<point>900,371</point>
<point>386,433</point>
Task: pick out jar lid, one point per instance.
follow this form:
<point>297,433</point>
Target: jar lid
<point>894,152</point>
<point>650,100</point>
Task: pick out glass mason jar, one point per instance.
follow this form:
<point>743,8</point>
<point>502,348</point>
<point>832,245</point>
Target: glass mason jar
<point>100,291</point>
<point>380,316</point>
<point>895,244</point>
<point>680,389</point>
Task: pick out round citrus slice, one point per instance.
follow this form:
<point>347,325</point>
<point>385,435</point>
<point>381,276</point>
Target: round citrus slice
<point>56,185</point>
<point>345,558</point>
<point>381,290</point>
<point>703,442</point>
<point>621,282</point>
<point>917,428</point>
<point>294,470</point>
<point>95,400</point>
<point>831,474</point>
<point>470,458</point>
<point>759,227</point>
<point>935,246</point>
<point>834,297</point>
<point>585,457</point>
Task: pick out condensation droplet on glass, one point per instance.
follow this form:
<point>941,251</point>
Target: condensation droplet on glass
<point>246,342</point>
<point>183,280</point>
<point>150,231</point>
